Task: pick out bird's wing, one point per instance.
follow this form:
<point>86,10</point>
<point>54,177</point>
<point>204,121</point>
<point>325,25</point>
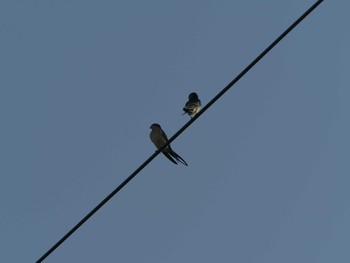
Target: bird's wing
<point>164,135</point>
<point>192,105</point>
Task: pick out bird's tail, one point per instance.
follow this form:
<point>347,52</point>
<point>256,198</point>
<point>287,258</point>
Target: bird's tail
<point>178,158</point>
<point>167,155</point>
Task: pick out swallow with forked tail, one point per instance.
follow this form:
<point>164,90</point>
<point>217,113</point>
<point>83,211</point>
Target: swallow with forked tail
<point>159,138</point>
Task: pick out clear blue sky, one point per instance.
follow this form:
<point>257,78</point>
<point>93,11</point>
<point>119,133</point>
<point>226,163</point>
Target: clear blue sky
<point>268,176</point>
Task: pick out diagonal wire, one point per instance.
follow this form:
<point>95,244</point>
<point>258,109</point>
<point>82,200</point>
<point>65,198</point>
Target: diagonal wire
<point>222,92</point>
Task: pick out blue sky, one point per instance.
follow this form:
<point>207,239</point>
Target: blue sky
<point>268,175</point>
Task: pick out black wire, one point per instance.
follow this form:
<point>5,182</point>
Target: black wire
<point>104,201</point>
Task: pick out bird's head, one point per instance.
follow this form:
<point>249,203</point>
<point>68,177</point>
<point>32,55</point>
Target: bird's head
<point>193,95</point>
<point>155,125</point>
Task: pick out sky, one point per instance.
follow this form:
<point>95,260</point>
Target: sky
<point>268,176</point>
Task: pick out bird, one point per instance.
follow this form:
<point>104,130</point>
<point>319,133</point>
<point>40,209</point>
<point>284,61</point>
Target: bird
<point>193,105</point>
<point>159,138</point>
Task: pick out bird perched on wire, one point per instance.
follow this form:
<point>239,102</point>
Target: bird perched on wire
<point>193,105</point>
<point>159,138</point>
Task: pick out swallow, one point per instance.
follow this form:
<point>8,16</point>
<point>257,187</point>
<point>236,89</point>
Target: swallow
<point>159,138</point>
<point>193,105</point>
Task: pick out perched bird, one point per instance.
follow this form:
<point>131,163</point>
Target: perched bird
<point>193,105</point>
<point>159,138</point>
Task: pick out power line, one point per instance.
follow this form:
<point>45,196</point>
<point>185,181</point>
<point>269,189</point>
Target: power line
<point>222,92</point>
